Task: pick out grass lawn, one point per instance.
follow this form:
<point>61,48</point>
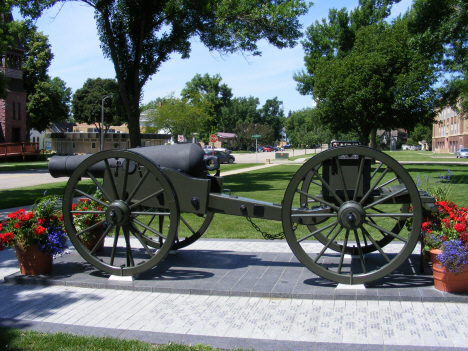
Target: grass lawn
<point>22,166</point>
<point>17,340</point>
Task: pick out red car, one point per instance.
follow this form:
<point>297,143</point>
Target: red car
<point>267,149</point>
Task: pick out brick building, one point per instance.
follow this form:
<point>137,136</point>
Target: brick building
<point>13,108</point>
<point>449,132</point>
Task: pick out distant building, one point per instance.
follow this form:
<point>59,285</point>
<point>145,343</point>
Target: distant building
<point>449,131</point>
<point>13,108</point>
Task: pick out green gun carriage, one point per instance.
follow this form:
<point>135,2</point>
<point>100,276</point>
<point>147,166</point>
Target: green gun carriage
<point>344,214</point>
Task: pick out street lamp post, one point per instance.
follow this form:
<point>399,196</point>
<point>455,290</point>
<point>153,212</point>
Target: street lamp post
<point>102,121</point>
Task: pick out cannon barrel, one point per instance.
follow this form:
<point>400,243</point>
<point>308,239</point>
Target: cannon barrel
<point>187,158</point>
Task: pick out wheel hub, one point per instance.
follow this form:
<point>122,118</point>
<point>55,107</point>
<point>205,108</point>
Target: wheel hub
<point>118,213</point>
<point>351,215</point>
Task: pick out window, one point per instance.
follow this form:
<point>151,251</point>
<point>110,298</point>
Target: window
<point>73,145</point>
<point>19,111</point>
<point>14,111</point>
<point>116,146</point>
<point>93,145</point>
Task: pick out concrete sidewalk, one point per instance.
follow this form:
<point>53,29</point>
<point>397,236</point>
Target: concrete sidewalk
<point>172,304</point>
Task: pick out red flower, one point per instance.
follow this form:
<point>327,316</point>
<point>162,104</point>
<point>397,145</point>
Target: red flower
<point>12,215</point>
<point>39,230</point>
<point>426,225</point>
<point>61,218</point>
<point>464,236</point>
<point>53,218</point>
<point>18,225</point>
<point>459,227</point>
<point>0,227</point>
<point>73,206</point>
<point>463,209</point>
<point>41,220</point>
<point>6,237</point>
<point>443,238</point>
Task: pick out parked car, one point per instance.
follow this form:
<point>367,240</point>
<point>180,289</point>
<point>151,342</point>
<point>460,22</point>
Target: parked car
<point>267,148</point>
<point>463,153</point>
<point>223,157</point>
<point>259,149</point>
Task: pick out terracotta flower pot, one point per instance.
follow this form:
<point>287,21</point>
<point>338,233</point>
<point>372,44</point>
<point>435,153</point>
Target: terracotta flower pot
<point>93,239</point>
<point>446,281</point>
<point>32,261</point>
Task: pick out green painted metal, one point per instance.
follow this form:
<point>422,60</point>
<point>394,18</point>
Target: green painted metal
<point>365,217</point>
<point>282,155</point>
<point>124,212</point>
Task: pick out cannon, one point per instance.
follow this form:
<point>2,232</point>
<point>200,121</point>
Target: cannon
<point>340,211</point>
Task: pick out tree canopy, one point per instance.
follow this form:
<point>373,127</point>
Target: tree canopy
<point>139,36</point>
<point>364,73</point>
<point>211,91</point>
<point>180,116</point>
<point>87,103</point>
<point>48,99</point>
<point>441,32</point>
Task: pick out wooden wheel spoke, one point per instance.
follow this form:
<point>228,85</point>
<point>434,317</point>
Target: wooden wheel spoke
<point>99,185</point>
<point>390,215</point>
<point>88,212</point>
<point>340,265</point>
<point>376,170</point>
<point>361,256</point>
<point>392,195</point>
<point>319,230</point>
<point>149,224</point>
<point>114,245</point>
<point>91,197</point>
<point>386,183</point>
<point>94,226</point>
<point>124,186</point>
<point>130,261</point>
<point>139,236</point>
<point>383,230</point>
<point>318,199</point>
<point>328,244</point>
<point>138,186</point>
<point>111,180</point>
<point>373,186</point>
<point>327,215</point>
<point>366,233</point>
<point>187,225</point>
<point>138,203</point>
<point>150,229</point>
<point>358,180</point>
<point>329,188</point>
<point>103,237</point>
<point>136,213</point>
<point>340,173</point>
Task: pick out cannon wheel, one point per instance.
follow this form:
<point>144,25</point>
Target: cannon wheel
<point>367,223</point>
<point>121,215</point>
<point>366,246</point>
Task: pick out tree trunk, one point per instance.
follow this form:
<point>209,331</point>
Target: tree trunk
<point>373,135</point>
<point>134,129</point>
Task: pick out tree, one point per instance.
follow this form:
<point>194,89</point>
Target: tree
<point>304,127</point>
<point>240,109</point>
<point>6,40</point>
<point>422,132</point>
<point>272,114</point>
<point>440,29</point>
<point>374,80</point>
<point>139,36</point>
<point>50,102</point>
<point>245,130</point>
<point>212,91</point>
<point>87,103</point>
<point>180,116</point>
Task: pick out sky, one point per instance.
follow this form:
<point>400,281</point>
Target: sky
<point>77,56</point>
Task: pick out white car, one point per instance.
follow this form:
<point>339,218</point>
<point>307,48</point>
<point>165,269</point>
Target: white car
<point>462,153</point>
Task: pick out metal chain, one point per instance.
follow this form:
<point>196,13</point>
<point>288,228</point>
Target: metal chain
<point>267,236</point>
